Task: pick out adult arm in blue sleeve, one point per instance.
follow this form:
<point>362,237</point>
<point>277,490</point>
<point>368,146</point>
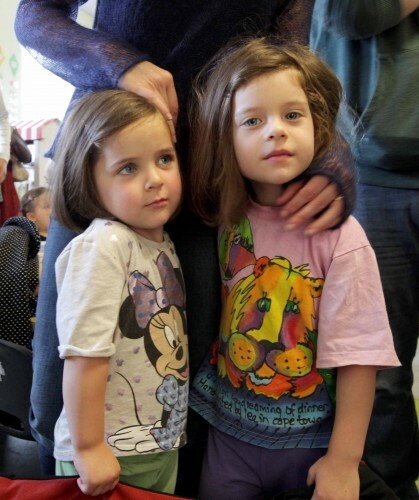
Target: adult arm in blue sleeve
<point>87,58</point>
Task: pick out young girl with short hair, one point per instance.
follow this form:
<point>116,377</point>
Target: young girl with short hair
<point>36,206</point>
<point>121,301</point>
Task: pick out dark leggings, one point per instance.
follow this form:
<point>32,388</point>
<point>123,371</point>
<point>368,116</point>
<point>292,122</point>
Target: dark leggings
<point>233,469</point>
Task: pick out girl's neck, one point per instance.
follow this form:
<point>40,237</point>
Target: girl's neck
<point>266,195</point>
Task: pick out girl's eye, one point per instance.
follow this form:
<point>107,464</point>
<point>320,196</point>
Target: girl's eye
<point>293,115</point>
<point>128,169</point>
<point>251,122</point>
<point>166,159</point>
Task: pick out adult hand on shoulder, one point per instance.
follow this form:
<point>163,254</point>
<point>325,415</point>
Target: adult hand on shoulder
<point>303,200</point>
<point>3,167</point>
<point>156,85</point>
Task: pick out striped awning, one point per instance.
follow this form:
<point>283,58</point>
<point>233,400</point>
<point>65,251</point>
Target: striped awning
<point>33,129</point>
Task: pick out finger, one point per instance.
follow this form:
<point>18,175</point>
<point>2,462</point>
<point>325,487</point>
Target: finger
<point>162,106</point>
<point>309,193</point>
<point>314,207</point>
<point>173,102</point>
<point>310,477</point>
<point>330,218</point>
<point>289,192</point>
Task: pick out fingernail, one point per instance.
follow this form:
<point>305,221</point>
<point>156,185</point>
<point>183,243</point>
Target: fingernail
<point>289,227</point>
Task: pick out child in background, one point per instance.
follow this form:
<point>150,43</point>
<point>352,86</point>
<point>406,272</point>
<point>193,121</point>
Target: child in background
<point>289,387</point>
<point>120,310</point>
<point>36,206</point>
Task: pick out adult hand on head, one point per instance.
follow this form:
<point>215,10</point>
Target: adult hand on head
<point>3,168</point>
<point>156,85</point>
<point>303,200</point>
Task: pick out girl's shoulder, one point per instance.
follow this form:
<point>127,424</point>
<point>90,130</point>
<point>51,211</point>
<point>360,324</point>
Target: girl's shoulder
<point>352,231</point>
<point>101,237</point>
<point>103,231</point>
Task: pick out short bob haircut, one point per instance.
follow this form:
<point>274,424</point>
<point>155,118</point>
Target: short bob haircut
<point>218,193</point>
<point>92,120</point>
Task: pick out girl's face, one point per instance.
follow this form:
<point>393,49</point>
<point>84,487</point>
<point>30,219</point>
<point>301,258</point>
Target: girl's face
<point>137,176</point>
<point>41,213</point>
<point>273,132</point>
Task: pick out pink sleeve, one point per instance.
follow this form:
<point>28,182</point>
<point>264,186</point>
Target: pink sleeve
<point>353,324</point>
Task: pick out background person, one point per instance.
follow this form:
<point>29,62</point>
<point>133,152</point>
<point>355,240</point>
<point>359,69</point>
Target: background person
<point>374,48</point>
<point>36,206</point>
<point>9,199</point>
<point>4,139</point>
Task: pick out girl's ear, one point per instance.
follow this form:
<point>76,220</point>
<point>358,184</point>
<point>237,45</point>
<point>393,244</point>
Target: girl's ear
<point>31,216</point>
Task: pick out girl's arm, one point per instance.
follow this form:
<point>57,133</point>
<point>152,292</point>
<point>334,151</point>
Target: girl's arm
<point>336,474</point>
<point>84,387</point>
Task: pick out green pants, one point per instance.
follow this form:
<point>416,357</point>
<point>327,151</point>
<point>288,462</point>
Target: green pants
<point>156,471</point>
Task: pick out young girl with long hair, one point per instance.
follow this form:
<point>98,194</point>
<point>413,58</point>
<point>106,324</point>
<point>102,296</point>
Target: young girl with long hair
<point>289,386</point>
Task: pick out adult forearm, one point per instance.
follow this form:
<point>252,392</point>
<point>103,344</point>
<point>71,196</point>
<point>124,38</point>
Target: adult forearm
<point>338,164</point>
<point>49,31</point>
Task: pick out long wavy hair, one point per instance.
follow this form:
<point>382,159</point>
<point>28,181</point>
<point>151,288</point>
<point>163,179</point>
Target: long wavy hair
<point>218,192</point>
<point>93,119</point>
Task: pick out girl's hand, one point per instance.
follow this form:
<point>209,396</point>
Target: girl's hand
<point>301,201</point>
<point>334,479</point>
<point>98,469</point>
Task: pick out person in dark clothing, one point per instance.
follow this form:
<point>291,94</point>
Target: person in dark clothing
<point>19,246</point>
<point>155,49</point>
<point>374,49</point>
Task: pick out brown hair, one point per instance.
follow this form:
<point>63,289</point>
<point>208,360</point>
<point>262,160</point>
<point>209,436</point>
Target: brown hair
<point>27,203</point>
<point>218,191</point>
<point>92,120</point>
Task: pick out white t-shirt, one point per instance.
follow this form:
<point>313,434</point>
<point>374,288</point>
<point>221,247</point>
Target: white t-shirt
<point>122,296</point>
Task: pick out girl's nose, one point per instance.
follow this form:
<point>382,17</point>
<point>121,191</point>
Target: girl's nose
<point>276,129</point>
<point>154,179</point>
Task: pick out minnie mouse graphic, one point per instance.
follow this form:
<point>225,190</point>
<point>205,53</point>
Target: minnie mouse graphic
<point>157,316</point>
